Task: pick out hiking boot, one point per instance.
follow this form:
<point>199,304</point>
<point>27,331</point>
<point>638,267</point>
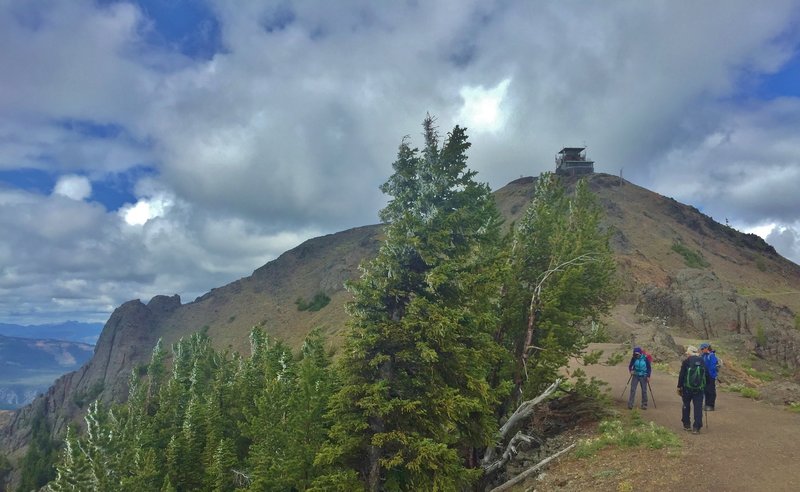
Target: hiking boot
<point>695,431</point>
<point>643,407</point>
<point>687,428</point>
<point>709,408</point>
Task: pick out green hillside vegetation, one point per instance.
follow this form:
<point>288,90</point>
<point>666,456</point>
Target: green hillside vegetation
<point>453,327</point>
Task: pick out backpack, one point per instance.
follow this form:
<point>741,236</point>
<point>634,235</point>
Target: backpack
<point>647,354</point>
<point>695,375</point>
<point>640,366</point>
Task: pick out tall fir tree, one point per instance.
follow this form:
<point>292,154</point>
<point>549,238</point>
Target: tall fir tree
<point>414,399</point>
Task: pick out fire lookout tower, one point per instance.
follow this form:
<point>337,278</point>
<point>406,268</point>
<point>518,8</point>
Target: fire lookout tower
<point>571,161</point>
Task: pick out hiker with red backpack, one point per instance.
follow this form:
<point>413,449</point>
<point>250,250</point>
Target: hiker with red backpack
<point>691,388</point>
<point>640,370</point>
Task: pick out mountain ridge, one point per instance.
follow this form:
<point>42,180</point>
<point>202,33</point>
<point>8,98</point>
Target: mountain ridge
<point>653,237</point>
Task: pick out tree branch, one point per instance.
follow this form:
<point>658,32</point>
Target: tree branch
<point>531,470</point>
<point>510,427</point>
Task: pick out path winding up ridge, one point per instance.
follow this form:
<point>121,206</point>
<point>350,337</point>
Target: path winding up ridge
<point>746,445</point>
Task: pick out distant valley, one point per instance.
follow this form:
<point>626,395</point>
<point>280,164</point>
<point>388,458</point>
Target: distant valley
<point>73,331</point>
<point>28,366</point>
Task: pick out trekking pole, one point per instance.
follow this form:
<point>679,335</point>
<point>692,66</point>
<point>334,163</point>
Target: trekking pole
<point>704,409</point>
<point>621,395</point>
<point>651,394</point>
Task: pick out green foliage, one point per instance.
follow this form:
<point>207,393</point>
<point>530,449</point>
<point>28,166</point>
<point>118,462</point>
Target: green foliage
<point>761,335</point>
<point>797,322</point>
<point>5,469</point>
<point>592,357</point>
<point>763,376</point>
<point>37,465</point>
<point>190,427</point>
<point>750,393</point>
<point>319,301</point>
<point>793,407</point>
<point>81,398</point>
<point>693,259</point>
<point>616,358</point>
<point>745,391</point>
<point>635,434</point>
<point>560,275</point>
<point>761,264</point>
<point>415,396</point>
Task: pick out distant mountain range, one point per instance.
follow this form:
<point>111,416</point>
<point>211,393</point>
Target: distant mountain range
<point>29,366</point>
<point>74,331</point>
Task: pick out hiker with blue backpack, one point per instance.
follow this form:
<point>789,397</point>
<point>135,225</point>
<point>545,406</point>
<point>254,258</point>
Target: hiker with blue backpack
<point>691,388</point>
<point>640,369</point>
<point>712,368</point>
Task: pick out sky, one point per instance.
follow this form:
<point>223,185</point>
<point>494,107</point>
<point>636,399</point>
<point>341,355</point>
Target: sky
<point>174,146</point>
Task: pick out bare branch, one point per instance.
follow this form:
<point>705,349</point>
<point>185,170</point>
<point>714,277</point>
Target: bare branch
<point>512,424</point>
<point>522,476</point>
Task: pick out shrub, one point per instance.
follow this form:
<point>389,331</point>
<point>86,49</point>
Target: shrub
<point>763,376</point>
<point>319,301</point>
<point>693,259</point>
<point>89,395</point>
<point>636,434</point>
<point>750,393</point>
<point>761,335</point>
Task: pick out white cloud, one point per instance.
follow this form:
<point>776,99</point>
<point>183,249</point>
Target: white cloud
<point>72,186</point>
<point>145,209</point>
<point>289,131</point>
<point>483,109</point>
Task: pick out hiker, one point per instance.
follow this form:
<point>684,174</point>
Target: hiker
<point>639,367</point>
<point>691,385</point>
<point>712,365</point>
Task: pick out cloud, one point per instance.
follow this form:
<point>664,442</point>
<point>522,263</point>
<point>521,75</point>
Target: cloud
<point>786,241</point>
<point>278,123</point>
<point>75,187</point>
<point>483,109</point>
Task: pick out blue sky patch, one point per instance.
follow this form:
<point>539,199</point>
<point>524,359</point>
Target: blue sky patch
<point>114,191</point>
<point>186,26</point>
<point>28,179</point>
<point>91,129</point>
<point>784,83</point>
<point>117,189</point>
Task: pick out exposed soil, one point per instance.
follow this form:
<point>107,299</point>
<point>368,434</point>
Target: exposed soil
<point>745,445</point>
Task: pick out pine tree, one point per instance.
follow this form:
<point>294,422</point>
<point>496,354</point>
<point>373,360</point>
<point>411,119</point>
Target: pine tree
<point>221,469</point>
<point>560,276</point>
<point>74,472</point>
<point>415,397</point>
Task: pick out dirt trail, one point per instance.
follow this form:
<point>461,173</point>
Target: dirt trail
<point>745,445</point>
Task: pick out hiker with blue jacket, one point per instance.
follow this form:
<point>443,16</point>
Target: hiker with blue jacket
<point>691,387</point>
<point>712,365</point>
<point>639,367</point>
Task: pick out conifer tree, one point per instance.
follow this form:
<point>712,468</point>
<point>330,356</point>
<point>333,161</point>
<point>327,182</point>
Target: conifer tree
<point>560,276</point>
<point>74,472</point>
<point>414,397</point>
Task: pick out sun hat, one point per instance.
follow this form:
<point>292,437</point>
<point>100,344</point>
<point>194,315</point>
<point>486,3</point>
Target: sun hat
<point>637,350</point>
<point>705,346</point>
